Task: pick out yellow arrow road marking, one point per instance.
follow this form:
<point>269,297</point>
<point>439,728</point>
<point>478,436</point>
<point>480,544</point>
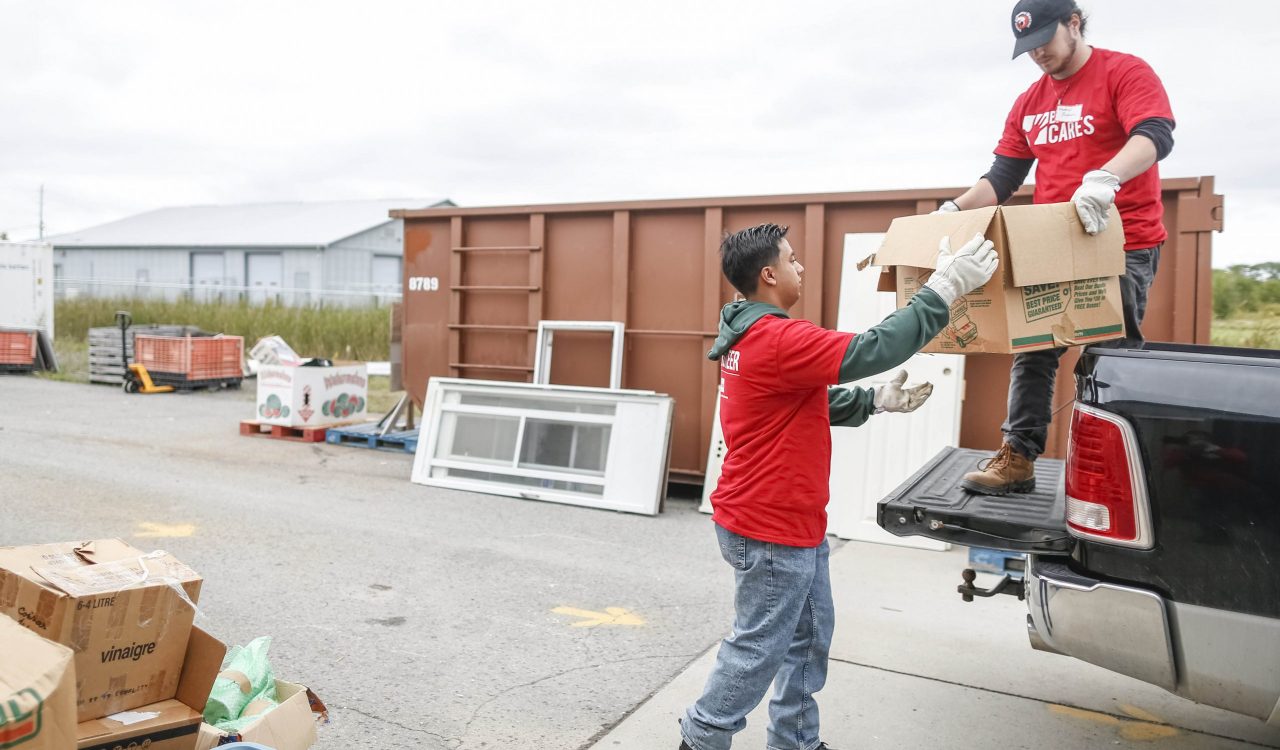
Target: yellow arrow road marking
<point>1149,729</point>
<point>155,530</point>
<point>610,616</point>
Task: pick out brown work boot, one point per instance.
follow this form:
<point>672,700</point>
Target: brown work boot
<point>1007,471</point>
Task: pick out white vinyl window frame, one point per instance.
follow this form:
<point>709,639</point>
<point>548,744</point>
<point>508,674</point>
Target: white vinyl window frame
<point>545,344</point>
<point>633,479</point>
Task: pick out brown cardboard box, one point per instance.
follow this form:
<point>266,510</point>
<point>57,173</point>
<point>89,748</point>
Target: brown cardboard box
<point>289,726</point>
<point>1056,285</point>
<point>174,727</point>
<point>118,608</point>
<point>37,691</point>
<point>176,723</point>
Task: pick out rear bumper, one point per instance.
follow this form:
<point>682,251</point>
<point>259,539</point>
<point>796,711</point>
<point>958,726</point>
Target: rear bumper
<point>1119,628</point>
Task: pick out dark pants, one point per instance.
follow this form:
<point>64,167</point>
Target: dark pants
<point>1032,377</point>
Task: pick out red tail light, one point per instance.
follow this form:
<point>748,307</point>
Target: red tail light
<point>1106,489</point>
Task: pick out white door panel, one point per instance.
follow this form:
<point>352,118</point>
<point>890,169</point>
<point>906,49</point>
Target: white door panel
<point>208,274</point>
<point>715,456</point>
<point>265,272</point>
<point>868,462</point>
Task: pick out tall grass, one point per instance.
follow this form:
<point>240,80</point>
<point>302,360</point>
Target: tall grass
<point>333,332</point>
<point>1259,331</point>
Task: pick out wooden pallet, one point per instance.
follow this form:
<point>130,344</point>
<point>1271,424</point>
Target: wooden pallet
<point>106,363</point>
<point>255,428</point>
<point>366,436</point>
<point>258,428</point>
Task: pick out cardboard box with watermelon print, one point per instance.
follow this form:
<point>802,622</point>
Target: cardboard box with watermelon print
<point>311,396</point>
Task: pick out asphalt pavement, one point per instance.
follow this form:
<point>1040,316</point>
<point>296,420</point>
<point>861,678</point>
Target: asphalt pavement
<point>430,618</point>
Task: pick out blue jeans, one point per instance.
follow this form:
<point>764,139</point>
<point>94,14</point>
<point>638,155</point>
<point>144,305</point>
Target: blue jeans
<point>1032,377</point>
<point>782,627</point>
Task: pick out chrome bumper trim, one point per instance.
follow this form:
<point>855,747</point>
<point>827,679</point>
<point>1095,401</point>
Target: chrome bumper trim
<point>1119,628</point>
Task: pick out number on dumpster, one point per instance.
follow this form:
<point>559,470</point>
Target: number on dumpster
<point>424,283</point>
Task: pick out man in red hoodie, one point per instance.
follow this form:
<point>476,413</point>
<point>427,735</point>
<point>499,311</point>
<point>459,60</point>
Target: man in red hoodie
<point>770,504</point>
<point>1094,124</point>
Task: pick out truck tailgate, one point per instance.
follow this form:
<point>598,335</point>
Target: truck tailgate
<point>932,504</point>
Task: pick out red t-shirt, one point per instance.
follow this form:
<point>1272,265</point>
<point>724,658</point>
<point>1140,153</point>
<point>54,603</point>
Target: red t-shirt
<point>775,481</point>
<point>1077,124</point>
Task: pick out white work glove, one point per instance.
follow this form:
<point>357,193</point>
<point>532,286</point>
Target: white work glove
<point>1094,197</point>
<point>893,397</point>
<point>947,207</point>
<point>964,270</point>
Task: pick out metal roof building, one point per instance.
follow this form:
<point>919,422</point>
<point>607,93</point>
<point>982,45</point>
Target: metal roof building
<point>336,252</point>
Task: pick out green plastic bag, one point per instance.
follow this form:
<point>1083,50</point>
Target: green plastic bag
<point>244,689</point>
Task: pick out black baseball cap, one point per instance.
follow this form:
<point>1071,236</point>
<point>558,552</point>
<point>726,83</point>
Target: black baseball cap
<point>1036,21</point>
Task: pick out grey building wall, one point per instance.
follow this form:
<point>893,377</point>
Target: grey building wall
<point>339,274</point>
<point>348,263</point>
<point>123,272</point>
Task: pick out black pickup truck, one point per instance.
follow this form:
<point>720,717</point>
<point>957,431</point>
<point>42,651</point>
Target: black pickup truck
<point>1154,549</point>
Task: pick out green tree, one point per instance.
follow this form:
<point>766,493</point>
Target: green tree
<point>1245,288</point>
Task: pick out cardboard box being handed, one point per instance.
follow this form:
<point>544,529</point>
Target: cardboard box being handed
<point>1056,285</point>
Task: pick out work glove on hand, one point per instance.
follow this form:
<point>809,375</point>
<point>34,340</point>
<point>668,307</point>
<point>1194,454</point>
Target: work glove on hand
<point>1094,197</point>
<point>947,207</point>
<point>966,269</point>
<point>893,397</point>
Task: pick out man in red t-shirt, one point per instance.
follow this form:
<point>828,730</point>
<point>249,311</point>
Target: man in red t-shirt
<point>1094,124</point>
<point>776,411</point>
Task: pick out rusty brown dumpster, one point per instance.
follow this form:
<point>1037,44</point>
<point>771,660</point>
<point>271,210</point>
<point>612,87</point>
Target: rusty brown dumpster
<point>478,280</point>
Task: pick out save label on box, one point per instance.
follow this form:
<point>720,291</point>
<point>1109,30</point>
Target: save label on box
<point>311,396</point>
<point>1056,285</point>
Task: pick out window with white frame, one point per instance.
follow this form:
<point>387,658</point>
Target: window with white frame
<point>582,446</point>
<point>544,347</point>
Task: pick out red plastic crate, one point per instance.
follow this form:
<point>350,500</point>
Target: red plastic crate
<point>192,357</point>
<point>17,347</point>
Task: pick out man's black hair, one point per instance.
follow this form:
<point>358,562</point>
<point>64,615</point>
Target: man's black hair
<point>744,253</point>
<point>1075,11</point>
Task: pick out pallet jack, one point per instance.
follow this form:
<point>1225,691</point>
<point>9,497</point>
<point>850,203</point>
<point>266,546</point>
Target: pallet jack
<point>136,377</point>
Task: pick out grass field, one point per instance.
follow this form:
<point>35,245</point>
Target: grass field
<point>1261,331</point>
<point>360,334</point>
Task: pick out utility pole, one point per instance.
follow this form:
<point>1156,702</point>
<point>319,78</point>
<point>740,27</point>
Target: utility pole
<point>42,212</point>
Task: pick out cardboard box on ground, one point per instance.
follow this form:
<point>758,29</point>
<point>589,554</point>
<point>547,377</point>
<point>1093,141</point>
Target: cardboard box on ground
<point>37,691</point>
<point>172,724</point>
<point>291,725</point>
<point>32,594</point>
<point>126,614</point>
<point>1056,285</point>
<point>311,396</point>
<point>178,724</point>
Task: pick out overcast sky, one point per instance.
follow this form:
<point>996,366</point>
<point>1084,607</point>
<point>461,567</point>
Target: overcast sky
<point>122,107</point>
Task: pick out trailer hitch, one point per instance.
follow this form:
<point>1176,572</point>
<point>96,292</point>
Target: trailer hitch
<point>1006,585</point>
